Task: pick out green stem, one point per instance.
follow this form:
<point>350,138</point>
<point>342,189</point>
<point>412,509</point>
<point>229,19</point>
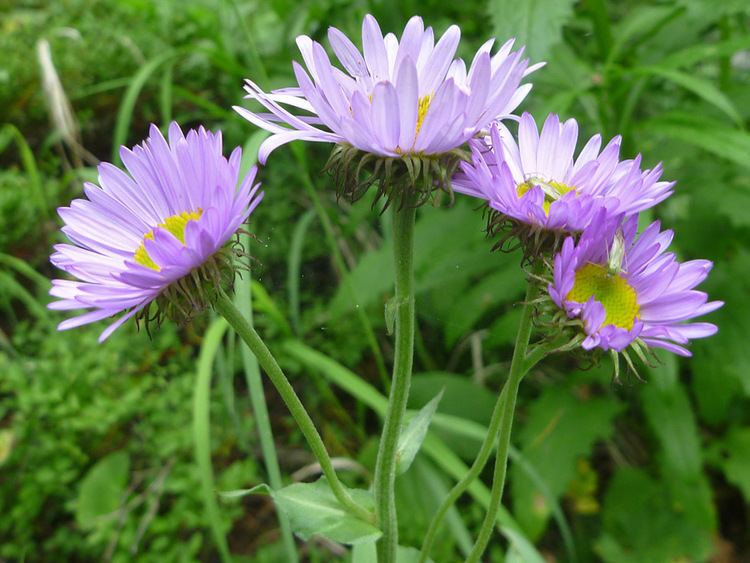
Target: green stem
<point>517,371</point>
<point>226,308</point>
<point>243,298</point>
<point>385,465</point>
<point>485,449</point>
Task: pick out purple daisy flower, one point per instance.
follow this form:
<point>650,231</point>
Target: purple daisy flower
<point>538,182</point>
<point>625,288</point>
<point>136,236</point>
<point>407,97</point>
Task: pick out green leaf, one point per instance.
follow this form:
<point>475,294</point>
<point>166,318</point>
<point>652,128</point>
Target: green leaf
<point>261,489</point>
<point>440,258</point>
<point>726,142</point>
<point>464,401</point>
<point>294,261</point>
<point>669,413</point>
<point>202,431</point>
<point>560,429</point>
<point>639,24</point>
<point>705,51</point>
<point>129,99</point>
<point>698,86</point>
<point>313,510</point>
<point>501,286</point>
<point>720,365</point>
<point>732,455</point>
<point>102,489</point>
<point>535,23</point>
<point>462,398</point>
<point>10,132</point>
<point>367,553</point>
<point>442,455</point>
<point>410,439</point>
<point>642,524</point>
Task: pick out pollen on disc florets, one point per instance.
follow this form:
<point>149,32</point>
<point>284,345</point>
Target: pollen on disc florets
<point>612,290</point>
<point>411,179</point>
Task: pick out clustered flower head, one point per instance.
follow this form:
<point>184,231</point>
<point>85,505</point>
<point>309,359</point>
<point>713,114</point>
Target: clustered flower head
<point>627,290</point>
<point>400,114</point>
<point>398,104</point>
<point>157,233</point>
<point>537,189</point>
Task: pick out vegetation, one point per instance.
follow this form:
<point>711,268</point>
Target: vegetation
<point>102,446</point>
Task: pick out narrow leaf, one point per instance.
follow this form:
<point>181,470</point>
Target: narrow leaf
<point>261,489</point>
<point>411,437</point>
<point>698,86</point>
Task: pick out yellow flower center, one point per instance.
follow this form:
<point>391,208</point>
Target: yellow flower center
<point>552,190</point>
<point>611,290</point>
<point>175,225</point>
<point>424,105</point>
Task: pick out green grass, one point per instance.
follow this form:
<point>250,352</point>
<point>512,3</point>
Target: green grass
<point>671,77</point>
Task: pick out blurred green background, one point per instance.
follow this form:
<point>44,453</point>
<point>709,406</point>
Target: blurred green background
<point>97,445</point>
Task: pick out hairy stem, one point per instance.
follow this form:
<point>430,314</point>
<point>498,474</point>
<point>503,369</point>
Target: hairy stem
<point>385,466</point>
<point>517,370</point>
<point>226,308</point>
<point>486,448</point>
<point>243,299</point>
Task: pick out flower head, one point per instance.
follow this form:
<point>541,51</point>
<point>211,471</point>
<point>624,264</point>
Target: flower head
<point>156,234</point>
<point>628,290</point>
<point>398,99</point>
<point>537,183</point>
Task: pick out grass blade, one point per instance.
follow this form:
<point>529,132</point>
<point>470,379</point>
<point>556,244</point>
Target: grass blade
<point>202,431</point>
<point>127,105</point>
<point>293,266</point>
<point>338,259</point>
<point>243,300</point>
<point>698,86</point>
<point>10,131</point>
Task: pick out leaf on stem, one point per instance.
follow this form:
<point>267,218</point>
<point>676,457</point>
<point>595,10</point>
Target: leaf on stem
<point>411,437</point>
<point>313,510</point>
<point>261,489</point>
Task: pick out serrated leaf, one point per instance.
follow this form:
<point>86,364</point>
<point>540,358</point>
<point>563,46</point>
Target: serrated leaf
<point>313,510</point>
<point>537,24</point>
<point>102,489</point>
<point>411,437</point>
